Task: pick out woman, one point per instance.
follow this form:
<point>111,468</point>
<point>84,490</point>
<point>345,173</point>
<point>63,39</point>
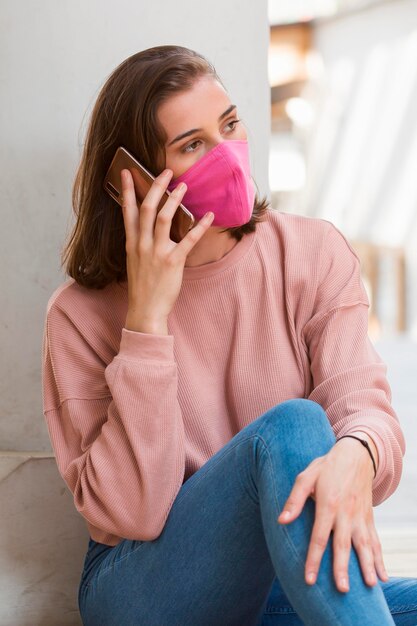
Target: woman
<point>194,389</point>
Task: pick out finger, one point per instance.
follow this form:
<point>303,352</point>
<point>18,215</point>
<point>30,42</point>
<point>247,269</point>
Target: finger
<point>322,527</point>
<point>129,208</point>
<point>342,545</point>
<point>303,487</point>
<point>193,236</point>
<point>362,542</point>
<point>166,214</point>
<point>149,206</point>
<point>378,554</point>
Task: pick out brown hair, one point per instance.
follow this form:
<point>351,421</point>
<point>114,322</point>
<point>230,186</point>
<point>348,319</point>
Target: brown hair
<point>125,113</point>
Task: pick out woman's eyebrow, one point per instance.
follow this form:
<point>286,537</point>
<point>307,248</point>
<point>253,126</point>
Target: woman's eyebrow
<point>195,130</point>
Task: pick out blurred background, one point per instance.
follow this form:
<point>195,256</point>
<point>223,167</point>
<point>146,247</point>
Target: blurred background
<point>326,89</point>
<point>343,147</point>
<point>343,78</point>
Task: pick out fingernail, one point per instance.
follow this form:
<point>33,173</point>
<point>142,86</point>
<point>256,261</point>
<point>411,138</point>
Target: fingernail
<point>208,216</point>
<point>285,515</point>
<point>344,583</point>
<point>166,173</point>
<point>311,577</point>
<point>181,186</point>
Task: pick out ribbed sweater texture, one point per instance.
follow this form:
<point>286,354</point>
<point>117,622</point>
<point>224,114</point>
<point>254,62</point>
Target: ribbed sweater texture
<point>132,415</point>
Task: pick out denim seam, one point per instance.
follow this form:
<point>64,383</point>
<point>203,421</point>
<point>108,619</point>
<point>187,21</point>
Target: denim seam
<point>290,543</point>
<point>244,487</point>
<point>98,575</point>
<point>403,609</point>
<point>226,452</point>
<point>282,610</point>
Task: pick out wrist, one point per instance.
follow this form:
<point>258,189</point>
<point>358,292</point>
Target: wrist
<point>146,325</point>
<point>370,448</point>
<point>372,445</point>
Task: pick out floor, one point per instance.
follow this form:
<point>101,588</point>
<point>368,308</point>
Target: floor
<point>396,518</point>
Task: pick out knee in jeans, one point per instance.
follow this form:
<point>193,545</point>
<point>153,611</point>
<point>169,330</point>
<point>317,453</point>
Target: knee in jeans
<point>300,412</point>
<point>298,424</point>
<point>303,407</point>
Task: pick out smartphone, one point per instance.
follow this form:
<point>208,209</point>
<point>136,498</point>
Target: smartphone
<point>182,221</point>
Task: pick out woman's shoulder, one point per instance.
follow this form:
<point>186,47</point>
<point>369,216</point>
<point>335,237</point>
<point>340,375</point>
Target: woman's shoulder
<point>83,306</point>
<point>77,317</point>
<point>71,294</point>
<point>62,294</point>
<point>293,227</point>
<point>310,235</point>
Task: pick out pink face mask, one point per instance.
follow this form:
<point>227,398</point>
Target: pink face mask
<point>220,182</point>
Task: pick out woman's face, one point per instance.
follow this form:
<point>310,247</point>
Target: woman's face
<point>195,121</point>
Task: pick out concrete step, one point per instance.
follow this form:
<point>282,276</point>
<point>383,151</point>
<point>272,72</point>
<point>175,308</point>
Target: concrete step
<point>43,541</point>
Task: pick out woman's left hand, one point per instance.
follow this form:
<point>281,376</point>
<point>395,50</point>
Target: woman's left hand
<point>341,484</point>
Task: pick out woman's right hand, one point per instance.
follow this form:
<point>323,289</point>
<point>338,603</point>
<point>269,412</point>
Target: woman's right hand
<point>155,263</point>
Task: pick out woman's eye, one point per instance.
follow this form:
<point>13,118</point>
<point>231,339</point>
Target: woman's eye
<point>232,124</point>
<point>192,146</point>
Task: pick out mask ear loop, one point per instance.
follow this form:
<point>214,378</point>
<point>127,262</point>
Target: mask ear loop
<point>257,192</point>
<point>249,134</point>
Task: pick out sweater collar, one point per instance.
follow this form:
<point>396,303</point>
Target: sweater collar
<point>229,259</point>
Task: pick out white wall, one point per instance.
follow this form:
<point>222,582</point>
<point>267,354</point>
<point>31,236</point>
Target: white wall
<point>54,58</point>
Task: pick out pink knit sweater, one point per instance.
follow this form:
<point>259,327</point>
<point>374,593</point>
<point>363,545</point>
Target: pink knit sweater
<point>132,415</point>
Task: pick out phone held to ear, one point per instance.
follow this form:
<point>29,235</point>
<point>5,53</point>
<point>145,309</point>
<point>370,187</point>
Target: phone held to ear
<point>182,221</point>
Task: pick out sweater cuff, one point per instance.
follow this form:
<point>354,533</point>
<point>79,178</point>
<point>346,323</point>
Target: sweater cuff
<point>146,346</point>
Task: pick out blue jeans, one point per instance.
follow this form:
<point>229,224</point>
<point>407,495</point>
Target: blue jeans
<point>223,560</point>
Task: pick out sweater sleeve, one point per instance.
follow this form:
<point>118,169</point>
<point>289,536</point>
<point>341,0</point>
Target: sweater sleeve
<point>116,429</point>
<point>348,375</point>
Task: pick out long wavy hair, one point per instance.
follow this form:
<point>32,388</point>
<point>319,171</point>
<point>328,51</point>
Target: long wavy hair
<point>125,113</point>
